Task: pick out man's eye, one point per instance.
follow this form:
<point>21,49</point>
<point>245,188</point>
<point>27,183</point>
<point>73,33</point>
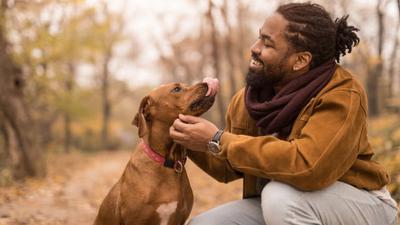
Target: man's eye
<point>267,44</point>
<point>176,89</point>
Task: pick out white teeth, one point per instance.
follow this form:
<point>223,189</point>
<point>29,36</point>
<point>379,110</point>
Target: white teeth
<point>256,63</point>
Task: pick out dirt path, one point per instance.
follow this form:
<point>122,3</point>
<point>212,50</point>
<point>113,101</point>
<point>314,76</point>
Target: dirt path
<point>69,195</point>
<point>76,185</point>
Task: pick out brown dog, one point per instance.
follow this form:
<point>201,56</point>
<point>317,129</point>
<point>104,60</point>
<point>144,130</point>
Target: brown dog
<point>149,193</point>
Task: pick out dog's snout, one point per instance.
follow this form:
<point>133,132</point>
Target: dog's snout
<point>200,88</point>
<point>205,86</point>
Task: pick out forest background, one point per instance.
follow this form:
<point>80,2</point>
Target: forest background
<point>72,73</point>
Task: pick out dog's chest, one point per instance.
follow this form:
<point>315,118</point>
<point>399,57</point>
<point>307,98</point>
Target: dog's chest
<point>166,210</point>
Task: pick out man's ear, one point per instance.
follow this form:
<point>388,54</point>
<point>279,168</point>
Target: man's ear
<point>142,117</point>
<point>303,60</point>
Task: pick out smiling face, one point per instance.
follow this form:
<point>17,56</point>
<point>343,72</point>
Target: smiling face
<point>272,57</point>
<point>165,103</point>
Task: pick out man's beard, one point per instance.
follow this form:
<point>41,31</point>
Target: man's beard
<point>265,77</point>
<point>256,79</point>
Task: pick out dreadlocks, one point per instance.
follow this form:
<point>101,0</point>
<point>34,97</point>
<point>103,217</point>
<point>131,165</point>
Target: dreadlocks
<point>311,29</point>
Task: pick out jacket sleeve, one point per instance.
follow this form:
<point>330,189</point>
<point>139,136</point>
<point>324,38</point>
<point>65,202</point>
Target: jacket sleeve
<point>219,169</point>
<point>325,149</point>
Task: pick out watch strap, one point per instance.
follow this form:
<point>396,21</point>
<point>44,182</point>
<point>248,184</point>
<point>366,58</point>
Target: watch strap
<point>217,136</point>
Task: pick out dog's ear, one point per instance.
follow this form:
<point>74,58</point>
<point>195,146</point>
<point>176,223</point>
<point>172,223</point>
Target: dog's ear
<point>143,116</point>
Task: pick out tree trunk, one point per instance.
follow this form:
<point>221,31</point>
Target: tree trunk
<point>106,104</point>
<point>69,86</point>
<point>67,133</point>
<point>216,64</point>
<point>14,157</point>
<point>5,147</point>
<point>373,81</point>
<point>17,121</point>
<point>393,57</point>
<point>398,7</point>
<point>375,73</point>
<point>243,50</point>
<point>229,48</point>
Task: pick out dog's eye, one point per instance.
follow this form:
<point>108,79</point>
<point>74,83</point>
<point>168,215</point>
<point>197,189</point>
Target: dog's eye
<point>176,90</point>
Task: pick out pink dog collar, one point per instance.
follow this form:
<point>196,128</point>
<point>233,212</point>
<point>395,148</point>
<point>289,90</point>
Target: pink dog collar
<point>177,165</point>
<point>152,154</point>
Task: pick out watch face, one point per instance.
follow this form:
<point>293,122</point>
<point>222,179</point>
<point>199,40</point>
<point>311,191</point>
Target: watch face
<point>213,147</point>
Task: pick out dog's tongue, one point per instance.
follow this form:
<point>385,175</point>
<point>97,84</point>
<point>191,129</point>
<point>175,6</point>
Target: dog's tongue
<point>213,86</point>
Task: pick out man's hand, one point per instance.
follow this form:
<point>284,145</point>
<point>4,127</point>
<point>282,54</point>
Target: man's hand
<point>192,132</point>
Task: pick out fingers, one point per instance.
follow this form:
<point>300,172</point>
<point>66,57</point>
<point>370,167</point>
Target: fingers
<point>180,126</point>
<point>180,129</point>
<point>176,135</point>
<point>190,119</point>
<point>192,132</point>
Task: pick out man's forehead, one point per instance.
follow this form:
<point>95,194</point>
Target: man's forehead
<point>273,25</point>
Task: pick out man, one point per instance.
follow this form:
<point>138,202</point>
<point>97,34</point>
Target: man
<point>296,133</point>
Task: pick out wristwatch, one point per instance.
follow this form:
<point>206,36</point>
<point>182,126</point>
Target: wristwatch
<point>213,145</point>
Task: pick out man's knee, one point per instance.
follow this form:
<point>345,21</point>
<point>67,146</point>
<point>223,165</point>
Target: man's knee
<point>203,219</point>
<point>277,200</point>
<point>243,212</point>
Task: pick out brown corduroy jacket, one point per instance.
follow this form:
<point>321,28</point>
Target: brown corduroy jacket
<point>328,142</point>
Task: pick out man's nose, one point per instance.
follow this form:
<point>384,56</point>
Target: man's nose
<point>256,47</point>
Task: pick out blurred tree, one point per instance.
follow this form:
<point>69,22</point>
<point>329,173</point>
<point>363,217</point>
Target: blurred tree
<point>108,33</point>
<point>68,52</point>
<point>184,59</point>
<point>375,73</point>
<point>103,30</point>
<point>244,39</point>
<point>15,116</point>
<point>230,49</point>
<point>50,53</point>
<point>215,50</point>
<point>216,61</point>
<point>34,49</point>
<point>393,57</point>
<point>54,40</point>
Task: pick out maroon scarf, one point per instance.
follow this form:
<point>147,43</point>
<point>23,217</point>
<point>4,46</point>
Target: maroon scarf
<point>275,113</point>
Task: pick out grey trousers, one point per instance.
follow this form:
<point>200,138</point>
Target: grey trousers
<point>281,204</point>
